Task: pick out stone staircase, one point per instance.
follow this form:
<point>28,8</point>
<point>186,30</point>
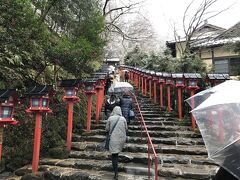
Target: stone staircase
<point>181,152</point>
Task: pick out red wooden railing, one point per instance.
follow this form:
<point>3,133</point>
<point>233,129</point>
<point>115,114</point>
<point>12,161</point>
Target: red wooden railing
<point>150,144</point>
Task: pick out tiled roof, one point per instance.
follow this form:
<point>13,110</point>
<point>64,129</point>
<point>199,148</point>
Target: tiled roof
<point>231,35</point>
<point>232,32</point>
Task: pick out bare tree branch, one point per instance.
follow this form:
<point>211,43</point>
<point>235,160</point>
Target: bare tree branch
<point>105,6</point>
<point>121,8</point>
<point>202,13</point>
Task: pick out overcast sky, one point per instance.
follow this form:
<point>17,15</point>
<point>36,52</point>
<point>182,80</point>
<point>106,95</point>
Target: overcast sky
<point>164,13</point>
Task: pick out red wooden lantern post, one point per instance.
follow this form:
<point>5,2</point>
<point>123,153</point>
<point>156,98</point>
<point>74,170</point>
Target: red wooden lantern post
<point>179,84</point>
<point>98,100</point>
<point>139,79</point>
<point>192,79</point>
<point>149,78</point>
<point>168,82</point>
<point>103,82</point>
<point>142,79</point>
<point>133,76</point>
<point>215,79</point>
<point>155,80</point>
<point>161,82</point>
<point>99,93</point>
<point>8,98</point>
<point>70,96</point>
<point>89,85</point>
<point>145,83</point>
<point>39,103</point>
<point>130,75</point>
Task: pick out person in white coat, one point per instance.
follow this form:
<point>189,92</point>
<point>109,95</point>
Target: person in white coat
<point>118,136</point>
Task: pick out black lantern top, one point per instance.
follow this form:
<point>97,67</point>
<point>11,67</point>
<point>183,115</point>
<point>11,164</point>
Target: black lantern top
<point>39,98</point>
<point>8,97</point>
<point>192,79</point>
<point>89,85</point>
<point>179,79</point>
<point>69,83</point>
<point>152,73</point>
<point>177,75</point>
<point>218,77</point>
<point>100,75</point>
<point>168,77</point>
<point>192,76</point>
<point>70,88</point>
<point>40,90</point>
<point>160,76</point>
<point>104,68</point>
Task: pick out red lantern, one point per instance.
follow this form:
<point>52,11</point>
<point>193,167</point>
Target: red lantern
<point>99,92</point>
<point>39,103</point>
<point>8,98</point>
<point>168,82</point>
<point>70,95</point>
<point>192,79</point>
<point>89,87</point>
<point>179,84</point>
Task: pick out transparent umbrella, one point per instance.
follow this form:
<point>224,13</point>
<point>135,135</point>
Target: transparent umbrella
<point>217,113</point>
<point>120,87</point>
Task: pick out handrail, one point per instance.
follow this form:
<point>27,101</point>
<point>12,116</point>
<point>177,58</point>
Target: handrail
<point>150,144</point>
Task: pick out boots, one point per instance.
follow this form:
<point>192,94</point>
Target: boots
<point>116,175</point>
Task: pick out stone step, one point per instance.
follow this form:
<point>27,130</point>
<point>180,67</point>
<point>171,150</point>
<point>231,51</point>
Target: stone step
<point>143,140</point>
<point>153,133</point>
<point>158,126</point>
<point>51,172</point>
<point>143,148</point>
<point>143,157</point>
<point>98,165</point>
<point>93,169</point>
<point>9,176</point>
<point>165,169</point>
<point>150,115</point>
<point>150,112</point>
<point>188,171</point>
<point>159,121</point>
<point>151,125</point>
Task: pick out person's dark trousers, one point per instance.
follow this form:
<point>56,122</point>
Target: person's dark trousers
<point>115,164</point>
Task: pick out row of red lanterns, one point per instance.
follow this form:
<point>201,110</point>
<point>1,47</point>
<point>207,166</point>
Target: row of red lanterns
<point>39,103</point>
<point>141,77</point>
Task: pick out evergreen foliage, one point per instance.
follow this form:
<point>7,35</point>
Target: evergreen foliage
<point>164,62</point>
<point>42,41</point>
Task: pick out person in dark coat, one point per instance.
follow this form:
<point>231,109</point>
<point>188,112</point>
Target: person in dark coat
<point>126,76</point>
<point>126,105</point>
<point>108,84</point>
<point>110,103</point>
<point>118,136</point>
